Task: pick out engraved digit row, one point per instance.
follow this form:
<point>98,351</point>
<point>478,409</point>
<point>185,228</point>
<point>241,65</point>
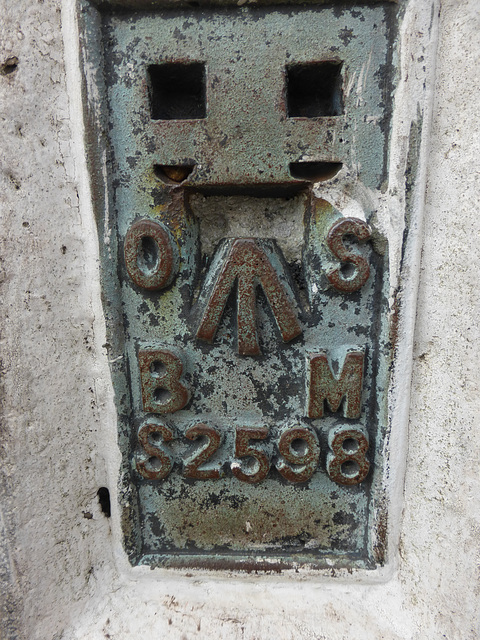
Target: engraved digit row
<point>298,448</point>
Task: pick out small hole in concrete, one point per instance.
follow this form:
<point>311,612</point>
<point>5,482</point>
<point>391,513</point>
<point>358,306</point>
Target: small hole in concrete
<point>9,66</point>
<point>314,89</point>
<point>314,171</point>
<point>177,90</point>
<point>104,499</point>
<point>350,468</point>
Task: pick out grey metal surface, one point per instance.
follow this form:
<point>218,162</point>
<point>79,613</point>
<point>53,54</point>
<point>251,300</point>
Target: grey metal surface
<point>251,376</point>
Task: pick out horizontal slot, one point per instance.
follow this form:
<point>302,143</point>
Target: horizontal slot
<point>172,174</point>
<point>314,171</point>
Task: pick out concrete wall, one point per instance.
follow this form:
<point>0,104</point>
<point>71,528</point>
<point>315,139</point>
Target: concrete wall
<point>63,572</point>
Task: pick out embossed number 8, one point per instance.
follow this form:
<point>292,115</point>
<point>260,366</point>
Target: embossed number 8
<point>347,464</point>
<point>155,463</point>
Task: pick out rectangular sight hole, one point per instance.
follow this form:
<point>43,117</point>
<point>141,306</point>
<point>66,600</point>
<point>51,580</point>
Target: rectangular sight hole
<point>314,89</point>
<point>177,90</point>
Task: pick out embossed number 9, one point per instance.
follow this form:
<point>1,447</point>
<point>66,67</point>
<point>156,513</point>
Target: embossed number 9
<point>298,446</point>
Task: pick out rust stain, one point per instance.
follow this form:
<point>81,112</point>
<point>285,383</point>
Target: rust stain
<point>243,449</point>
<point>149,255</point>
<point>394,321</point>
<point>248,265</point>
<point>161,371</point>
<point>305,462</point>
<point>381,534</point>
<point>335,242</point>
<point>347,463</point>
<point>325,387</point>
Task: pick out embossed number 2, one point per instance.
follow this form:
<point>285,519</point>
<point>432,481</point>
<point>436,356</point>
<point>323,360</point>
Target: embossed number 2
<point>200,456</point>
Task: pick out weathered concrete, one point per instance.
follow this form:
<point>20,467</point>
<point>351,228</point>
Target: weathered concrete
<point>64,572</point>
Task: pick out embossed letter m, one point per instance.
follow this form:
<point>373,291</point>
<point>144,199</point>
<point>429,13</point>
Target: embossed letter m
<point>324,386</point>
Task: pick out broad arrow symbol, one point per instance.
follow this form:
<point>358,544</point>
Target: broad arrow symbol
<point>248,264</point>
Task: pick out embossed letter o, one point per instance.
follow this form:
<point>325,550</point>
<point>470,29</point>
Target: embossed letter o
<point>149,237</point>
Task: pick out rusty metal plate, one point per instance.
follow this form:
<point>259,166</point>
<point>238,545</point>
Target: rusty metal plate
<point>248,317</point>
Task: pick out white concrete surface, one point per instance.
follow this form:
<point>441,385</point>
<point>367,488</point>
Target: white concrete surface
<point>63,573</point>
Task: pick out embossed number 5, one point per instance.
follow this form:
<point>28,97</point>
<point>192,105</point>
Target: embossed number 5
<point>244,450</point>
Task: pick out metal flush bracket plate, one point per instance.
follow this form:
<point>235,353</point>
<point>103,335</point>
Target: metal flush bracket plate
<point>239,155</point>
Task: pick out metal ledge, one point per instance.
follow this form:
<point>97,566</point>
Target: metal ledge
<point>198,4</point>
